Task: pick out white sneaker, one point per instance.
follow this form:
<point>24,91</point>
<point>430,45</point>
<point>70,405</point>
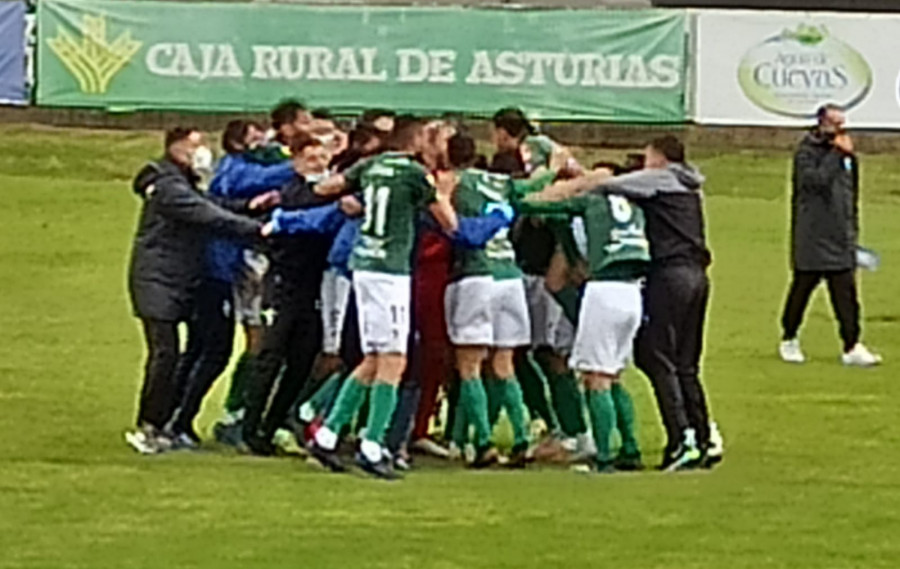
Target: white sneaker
<point>790,352</point>
<point>142,442</point>
<point>716,448</point>
<point>585,448</point>
<point>429,447</point>
<point>860,356</point>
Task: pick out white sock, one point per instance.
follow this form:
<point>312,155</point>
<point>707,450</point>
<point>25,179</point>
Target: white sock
<point>307,413</point>
<point>690,438</point>
<point>326,438</point>
<point>370,450</point>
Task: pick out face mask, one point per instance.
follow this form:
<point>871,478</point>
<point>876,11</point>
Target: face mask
<point>202,160</point>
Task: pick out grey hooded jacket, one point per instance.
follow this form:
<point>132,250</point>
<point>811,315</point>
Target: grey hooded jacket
<point>673,207</point>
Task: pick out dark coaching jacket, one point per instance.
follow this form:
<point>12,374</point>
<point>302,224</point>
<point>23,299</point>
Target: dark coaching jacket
<point>824,207</point>
<point>167,258</point>
<point>298,261</point>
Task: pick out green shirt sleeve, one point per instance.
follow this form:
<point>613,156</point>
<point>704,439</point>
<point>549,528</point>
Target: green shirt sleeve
<point>521,188</point>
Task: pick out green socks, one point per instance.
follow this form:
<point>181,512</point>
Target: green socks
<point>349,400</point>
<point>603,419</point>
<point>494,391</point>
<point>326,392</point>
<point>382,402</point>
<point>234,401</point>
<point>625,421</point>
<point>474,400</point>
<point>514,404</point>
<point>460,434</point>
<point>569,404</point>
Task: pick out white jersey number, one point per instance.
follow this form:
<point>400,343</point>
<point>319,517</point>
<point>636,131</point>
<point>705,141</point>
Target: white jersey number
<point>620,208</point>
<point>376,200</point>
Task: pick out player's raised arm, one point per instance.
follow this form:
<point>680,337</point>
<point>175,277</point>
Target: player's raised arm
<point>442,207</point>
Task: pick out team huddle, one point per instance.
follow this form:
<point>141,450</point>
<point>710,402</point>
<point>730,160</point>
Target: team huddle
<point>353,260</point>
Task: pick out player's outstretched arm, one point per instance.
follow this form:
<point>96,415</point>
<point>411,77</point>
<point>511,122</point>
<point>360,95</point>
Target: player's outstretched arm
<point>331,186</point>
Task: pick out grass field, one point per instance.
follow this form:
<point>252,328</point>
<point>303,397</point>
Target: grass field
<point>811,477</point>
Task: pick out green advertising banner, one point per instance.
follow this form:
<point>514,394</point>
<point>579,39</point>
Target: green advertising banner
<point>624,66</point>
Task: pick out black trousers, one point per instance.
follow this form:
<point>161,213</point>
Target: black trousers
<point>158,391</point>
<point>844,300</point>
<point>209,346</point>
<point>291,340</point>
<point>669,345</point>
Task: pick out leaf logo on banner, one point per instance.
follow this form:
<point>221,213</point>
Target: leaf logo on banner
<point>794,72</point>
<point>93,60</point>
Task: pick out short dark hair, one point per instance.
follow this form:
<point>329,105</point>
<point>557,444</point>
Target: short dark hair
<point>285,112</point>
<point>405,129</point>
<point>461,150</point>
<point>233,136</point>
<point>613,167</point>
<point>514,122</point>
<point>822,111</point>
<point>300,143</point>
<point>509,163</point>
<point>177,134</point>
<point>670,147</point>
<point>362,135</point>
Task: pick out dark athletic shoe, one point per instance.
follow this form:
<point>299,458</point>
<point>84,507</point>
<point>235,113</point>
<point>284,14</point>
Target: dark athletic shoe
<point>327,458</point>
<point>687,457</point>
<point>230,435</point>
<point>485,457</point>
<point>605,467</point>
<point>382,469</point>
<point>519,458</point>
<point>629,463</point>
<point>258,446</point>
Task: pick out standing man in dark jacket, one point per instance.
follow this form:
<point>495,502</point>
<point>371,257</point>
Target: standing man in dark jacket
<point>294,335</point>
<point>166,268</point>
<point>824,233</point>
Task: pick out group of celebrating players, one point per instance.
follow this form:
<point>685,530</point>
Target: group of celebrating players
<point>388,241</point>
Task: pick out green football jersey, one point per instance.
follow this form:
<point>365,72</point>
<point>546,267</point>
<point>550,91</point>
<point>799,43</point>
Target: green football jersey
<point>394,186</point>
<point>475,192</point>
<point>615,227</point>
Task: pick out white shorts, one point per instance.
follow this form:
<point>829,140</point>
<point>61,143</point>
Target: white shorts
<point>335,296</point>
<point>382,301</point>
<point>549,325</point>
<point>609,321</point>
<point>248,290</point>
<point>484,312</point>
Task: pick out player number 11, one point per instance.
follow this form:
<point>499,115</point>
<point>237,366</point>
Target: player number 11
<point>376,200</point>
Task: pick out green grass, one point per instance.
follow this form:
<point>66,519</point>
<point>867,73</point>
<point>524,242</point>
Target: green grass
<point>810,478</point>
